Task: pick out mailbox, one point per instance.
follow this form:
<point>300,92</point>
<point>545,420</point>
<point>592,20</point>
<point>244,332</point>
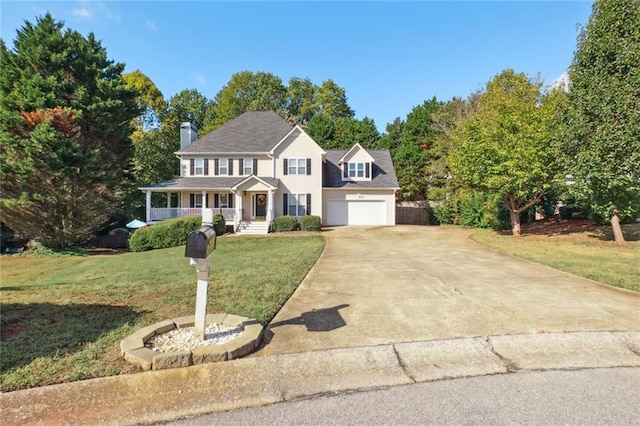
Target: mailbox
<point>200,243</point>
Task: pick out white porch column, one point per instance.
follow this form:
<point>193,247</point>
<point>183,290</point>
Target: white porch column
<point>168,200</point>
<point>239,205</point>
<point>148,193</point>
<point>270,206</point>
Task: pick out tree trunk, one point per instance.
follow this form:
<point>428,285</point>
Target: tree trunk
<point>515,222</point>
<point>617,230</point>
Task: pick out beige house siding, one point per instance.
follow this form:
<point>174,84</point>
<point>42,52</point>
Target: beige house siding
<point>299,145</point>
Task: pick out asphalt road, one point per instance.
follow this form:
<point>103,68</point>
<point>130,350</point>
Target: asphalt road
<point>593,396</point>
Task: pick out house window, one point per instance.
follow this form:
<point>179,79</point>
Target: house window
<point>223,201</point>
<point>297,204</point>
<point>247,166</point>
<point>357,170</point>
<point>195,201</point>
<point>297,166</point>
<point>223,166</point>
<point>199,167</point>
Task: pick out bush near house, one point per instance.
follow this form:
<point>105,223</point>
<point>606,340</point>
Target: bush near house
<point>219,224</point>
<point>310,223</point>
<point>169,233</point>
<point>285,224</point>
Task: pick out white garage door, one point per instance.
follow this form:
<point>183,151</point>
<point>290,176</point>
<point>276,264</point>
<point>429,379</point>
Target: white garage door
<point>357,213</point>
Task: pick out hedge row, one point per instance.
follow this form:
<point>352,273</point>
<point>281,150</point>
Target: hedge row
<point>168,233</point>
<point>290,223</point>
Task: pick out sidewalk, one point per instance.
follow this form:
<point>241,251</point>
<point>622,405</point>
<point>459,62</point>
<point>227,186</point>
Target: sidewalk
<point>163,395</point>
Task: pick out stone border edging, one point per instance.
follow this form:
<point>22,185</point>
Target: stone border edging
<point>133,349</point>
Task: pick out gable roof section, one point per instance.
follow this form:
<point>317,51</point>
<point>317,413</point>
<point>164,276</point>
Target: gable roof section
<point>253,131</point>
<point>384,175</point>
<point>357,147</point>
<point>268,182</point>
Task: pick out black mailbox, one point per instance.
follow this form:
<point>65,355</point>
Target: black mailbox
<point>200,243</point>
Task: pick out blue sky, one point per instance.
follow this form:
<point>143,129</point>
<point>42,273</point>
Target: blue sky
<point>389,56</point>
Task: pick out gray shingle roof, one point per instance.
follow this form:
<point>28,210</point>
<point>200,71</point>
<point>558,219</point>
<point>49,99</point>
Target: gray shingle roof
<point>253,131</point>
<point>208,183</point>
<point>384,175</point>
<point>205,183</point>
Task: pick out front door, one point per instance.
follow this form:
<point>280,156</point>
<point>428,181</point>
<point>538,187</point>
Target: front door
<point>260,201</point>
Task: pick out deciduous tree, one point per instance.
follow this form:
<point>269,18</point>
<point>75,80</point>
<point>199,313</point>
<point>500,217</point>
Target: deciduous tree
<point>249,91</point>
<point>602,147</point>
<point>507,146</point>
<point>332,100</point>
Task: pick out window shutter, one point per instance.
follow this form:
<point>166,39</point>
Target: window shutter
<point>230,197</point>
<point>192,167</point>
<point>192,199</point>
<point>308,204</point>
<point>308,166</point>
<point>285,204</point>
<point>206,167</point>
<point>241,164</point>
<point>230,167</point>
<point>216,167</point>
<point>255,166</point>
<point>216,201</point>
<point>367,173</point>
<point>286,166</point>
<point>346,170</point>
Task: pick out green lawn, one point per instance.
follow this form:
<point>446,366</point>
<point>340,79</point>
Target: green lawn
<point>62,318</point>
<point>587,251</point>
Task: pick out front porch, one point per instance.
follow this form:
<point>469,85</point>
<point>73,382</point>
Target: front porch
<point>248,206</point>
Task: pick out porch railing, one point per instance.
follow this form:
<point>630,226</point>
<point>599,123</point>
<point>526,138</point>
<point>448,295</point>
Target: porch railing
<point>165,213</point>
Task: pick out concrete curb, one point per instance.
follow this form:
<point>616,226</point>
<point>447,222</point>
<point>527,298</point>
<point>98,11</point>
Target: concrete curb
<point>163,395</point>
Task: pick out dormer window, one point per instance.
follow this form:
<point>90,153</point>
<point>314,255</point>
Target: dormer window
<point>357,171</point>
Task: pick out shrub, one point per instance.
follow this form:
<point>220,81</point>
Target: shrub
<point>472,211</point>
<point>445,214</point>
<point>480,210</point>
<point>169,233</point>
<point>310,223</point>
<point>219,224</point>
<point>285,224</point>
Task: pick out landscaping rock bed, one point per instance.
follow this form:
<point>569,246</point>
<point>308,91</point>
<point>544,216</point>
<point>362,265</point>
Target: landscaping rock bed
<point>171,343</point>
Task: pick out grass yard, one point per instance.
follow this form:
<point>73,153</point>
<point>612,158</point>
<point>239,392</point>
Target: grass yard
<point>62,319</point>
<point>579,247</point>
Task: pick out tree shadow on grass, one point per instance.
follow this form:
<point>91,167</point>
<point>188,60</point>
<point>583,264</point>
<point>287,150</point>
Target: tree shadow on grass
<point>34,330</point>
<point>631,232</point>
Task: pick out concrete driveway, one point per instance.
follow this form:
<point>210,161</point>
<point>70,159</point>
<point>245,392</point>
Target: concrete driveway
<point>381,285</point>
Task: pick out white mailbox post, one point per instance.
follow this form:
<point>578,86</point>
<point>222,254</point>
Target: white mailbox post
<point>200,246</point>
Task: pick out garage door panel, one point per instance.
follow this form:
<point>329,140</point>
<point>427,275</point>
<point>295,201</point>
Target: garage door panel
<point>356,212</point>
<point>338,213</point>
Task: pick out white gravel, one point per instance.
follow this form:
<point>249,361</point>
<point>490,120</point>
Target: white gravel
<point>183,339</point>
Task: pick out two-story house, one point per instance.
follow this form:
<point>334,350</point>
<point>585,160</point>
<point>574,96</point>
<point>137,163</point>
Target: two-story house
<point>258,167</point>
